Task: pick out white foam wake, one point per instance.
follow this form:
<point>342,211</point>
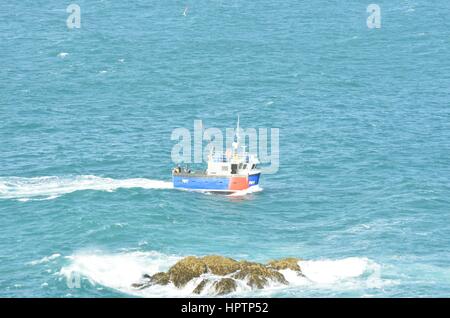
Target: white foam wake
<point>120,271</point>
<point>51,187</point>
<point>250,190</point>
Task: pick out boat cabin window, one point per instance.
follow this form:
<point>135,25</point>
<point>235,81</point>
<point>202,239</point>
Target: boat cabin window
<point>234,168</point>
<point>245,166</point>
<point>253,166</point>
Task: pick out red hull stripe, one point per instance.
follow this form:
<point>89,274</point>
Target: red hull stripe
<point>238,183</point>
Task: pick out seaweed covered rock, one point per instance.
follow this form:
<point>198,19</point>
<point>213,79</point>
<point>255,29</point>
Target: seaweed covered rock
<point>200,286</point>
<point>258,275</point>
<point>190,267</point>
<point>225,286</point>
<point>219,265</point>
<point>285,263</point>
<point>225,272</point>
<point>186,269</point>
<point>160,278</point>
<point>140,285</point>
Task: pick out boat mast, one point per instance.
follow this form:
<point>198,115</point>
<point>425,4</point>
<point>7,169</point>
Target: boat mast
<point>237,139</point>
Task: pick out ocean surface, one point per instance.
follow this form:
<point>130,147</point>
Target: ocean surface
<point>362,194</point>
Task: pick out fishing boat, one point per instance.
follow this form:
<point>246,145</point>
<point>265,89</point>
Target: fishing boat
<point>236,170</point>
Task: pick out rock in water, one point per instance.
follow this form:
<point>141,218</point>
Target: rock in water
<point>285,263</point>
<point>257,275</point>
<point>139,285</point>
<point>219,265</point>
<point>185,270</point>
<point>160,278</point>
<point>200,287</point>
<point>225,286</point>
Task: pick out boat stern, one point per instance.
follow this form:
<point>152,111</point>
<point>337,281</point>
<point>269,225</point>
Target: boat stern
<point>253,179</point>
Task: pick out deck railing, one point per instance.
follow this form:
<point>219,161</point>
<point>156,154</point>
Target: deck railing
<point>224,158</point>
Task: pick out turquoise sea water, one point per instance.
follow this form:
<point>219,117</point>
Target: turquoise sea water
<point>362,193</point>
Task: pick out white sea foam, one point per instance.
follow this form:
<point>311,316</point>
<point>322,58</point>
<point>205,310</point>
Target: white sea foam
<point>45,259</point>
<point>63,55</point>
<point>51,187</point>
<point>329,271</point>
<point>250,190</point>
<point>40,188</point>
<point>119,271</point>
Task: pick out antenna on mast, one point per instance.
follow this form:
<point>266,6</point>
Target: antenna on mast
<point>237,137</point>
<point>237,130</point>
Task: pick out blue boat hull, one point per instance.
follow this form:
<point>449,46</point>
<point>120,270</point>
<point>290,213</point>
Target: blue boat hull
<point>215,183</point>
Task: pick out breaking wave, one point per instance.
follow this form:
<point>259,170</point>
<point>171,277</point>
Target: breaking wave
<point>119,271</point>
<point>46,188</point>
<point>45,259</point>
